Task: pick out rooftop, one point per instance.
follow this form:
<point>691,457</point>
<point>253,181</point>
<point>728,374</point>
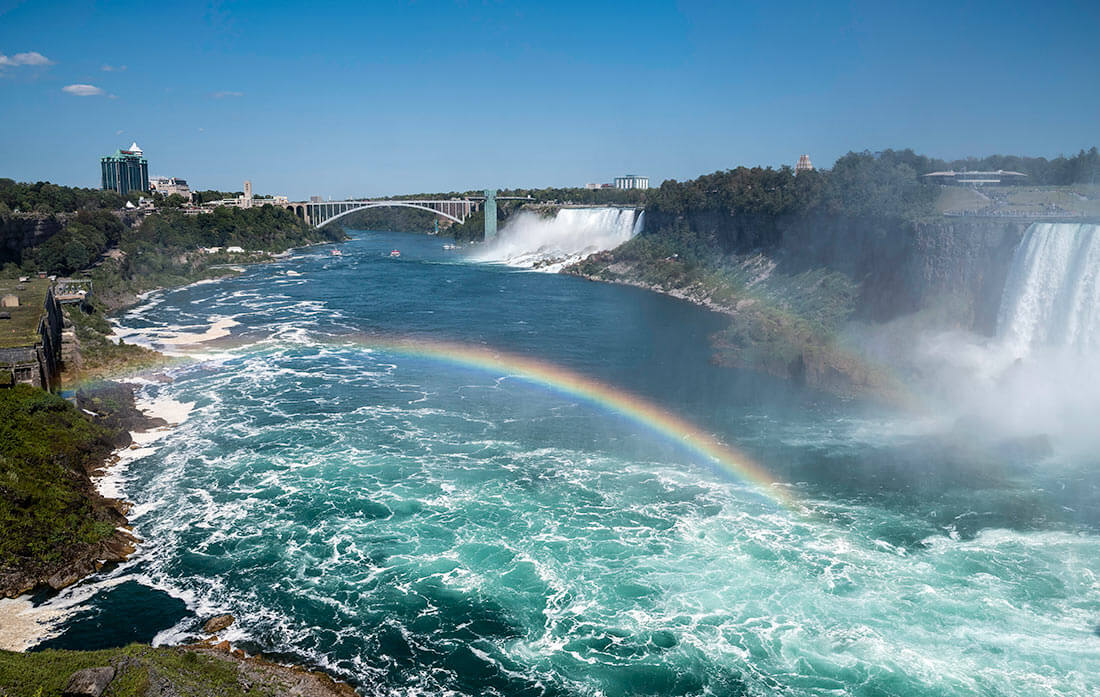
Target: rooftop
<point>964,173</point>
<point>22,328</point>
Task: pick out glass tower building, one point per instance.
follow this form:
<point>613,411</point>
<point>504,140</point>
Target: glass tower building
<point>125,171</point>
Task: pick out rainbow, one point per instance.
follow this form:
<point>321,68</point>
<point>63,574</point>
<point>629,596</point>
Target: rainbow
<point>723,458</point>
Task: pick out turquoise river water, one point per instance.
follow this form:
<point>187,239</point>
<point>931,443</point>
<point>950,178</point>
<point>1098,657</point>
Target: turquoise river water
<point>419,525</point>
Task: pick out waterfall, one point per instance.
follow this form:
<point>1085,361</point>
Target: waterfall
<point>1052,297</point>
<point>529,240</point>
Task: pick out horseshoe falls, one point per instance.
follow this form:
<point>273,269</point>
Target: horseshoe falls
<point>551,241</point>
<point>521,506</point>
<point>1052,297</point>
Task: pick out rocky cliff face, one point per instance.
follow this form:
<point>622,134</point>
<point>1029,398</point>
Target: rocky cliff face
<point>962,263</point>
<point>958,265</point>
<point>24,230</point>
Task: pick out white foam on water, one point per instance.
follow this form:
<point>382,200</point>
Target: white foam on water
<point>110,484</point>
<point>218,328</point>
<point>23,624</point>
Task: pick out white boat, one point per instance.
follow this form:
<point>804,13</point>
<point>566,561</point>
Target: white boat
<point>395,253</point>
<point>336,253</point>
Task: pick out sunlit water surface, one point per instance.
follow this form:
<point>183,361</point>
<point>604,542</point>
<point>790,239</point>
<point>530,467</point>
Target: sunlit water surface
<point>419,527</point>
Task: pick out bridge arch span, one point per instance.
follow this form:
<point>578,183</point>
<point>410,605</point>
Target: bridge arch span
<point>387,204</point>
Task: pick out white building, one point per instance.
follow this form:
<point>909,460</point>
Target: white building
<point>804,165</point>
<point>631,181</point>
<point>166,186</point>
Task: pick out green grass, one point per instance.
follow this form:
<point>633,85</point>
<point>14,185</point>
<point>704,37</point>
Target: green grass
<point>22,328</point>
<point>960,198</point>
<point>45,445</point>
<point>46,673</point>
<point>1076,200</point>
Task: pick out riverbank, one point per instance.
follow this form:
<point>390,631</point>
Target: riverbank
<point>57,526</point>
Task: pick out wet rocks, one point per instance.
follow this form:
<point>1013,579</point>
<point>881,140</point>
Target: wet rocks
<point>90,682</point>
<point>216,624</point>
<point>71,573</point>
<point>115,407</point>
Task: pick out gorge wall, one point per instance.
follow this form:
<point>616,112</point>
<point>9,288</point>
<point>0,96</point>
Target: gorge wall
<point>957,265</point>
<point>20,231</point>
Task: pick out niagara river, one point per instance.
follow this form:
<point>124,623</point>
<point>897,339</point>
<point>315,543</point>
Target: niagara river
<point>429,475</point>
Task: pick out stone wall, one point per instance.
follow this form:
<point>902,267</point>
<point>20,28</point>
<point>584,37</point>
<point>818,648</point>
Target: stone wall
<point>38,364</point>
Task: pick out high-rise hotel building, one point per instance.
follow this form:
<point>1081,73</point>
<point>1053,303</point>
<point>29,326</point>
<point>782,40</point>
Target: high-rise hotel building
<point>125,171</point>
<point>631,181</point>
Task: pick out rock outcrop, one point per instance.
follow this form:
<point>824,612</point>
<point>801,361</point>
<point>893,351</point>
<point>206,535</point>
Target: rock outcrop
<point>216,624</point>
<point>90,682</point>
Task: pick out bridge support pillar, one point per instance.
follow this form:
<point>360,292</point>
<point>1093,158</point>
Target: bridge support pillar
<point>490,214</point>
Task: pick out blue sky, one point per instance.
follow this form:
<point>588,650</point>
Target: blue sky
<point>372,97</point>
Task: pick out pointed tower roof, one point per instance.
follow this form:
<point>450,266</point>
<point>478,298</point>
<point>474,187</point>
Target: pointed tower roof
<point>134,148</point>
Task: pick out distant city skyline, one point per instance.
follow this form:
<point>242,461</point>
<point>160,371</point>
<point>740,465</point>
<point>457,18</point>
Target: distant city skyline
<point>350,99</point>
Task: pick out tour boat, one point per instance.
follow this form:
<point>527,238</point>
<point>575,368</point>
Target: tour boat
<point>395,253</point>
<point>336,253</point>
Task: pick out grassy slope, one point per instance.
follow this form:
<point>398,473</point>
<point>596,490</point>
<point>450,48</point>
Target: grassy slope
<point>45,673</point>
<point>46,446</point>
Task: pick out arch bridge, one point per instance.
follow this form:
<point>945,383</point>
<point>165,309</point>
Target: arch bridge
<point>321,213</point>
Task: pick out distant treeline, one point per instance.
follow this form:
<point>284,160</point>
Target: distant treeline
<point>1082,168</point>
<point>46,198</point>
<point>163,236</point>
<point>548,195</point>
<point>393,219</point>
<point>858,185</point>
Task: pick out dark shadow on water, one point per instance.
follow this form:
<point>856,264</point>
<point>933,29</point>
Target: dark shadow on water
<point>124,614</point>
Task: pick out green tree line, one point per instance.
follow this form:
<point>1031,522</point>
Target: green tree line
<point>44,197</point>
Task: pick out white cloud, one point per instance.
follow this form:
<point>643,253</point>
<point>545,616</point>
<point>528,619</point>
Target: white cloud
<point>83,90</point>
<point>28,58</point>
<point>220,95</point>
<point>113,68</point>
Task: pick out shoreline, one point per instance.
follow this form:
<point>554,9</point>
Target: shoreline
<point>677,293</point>
<point>25,623</point>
